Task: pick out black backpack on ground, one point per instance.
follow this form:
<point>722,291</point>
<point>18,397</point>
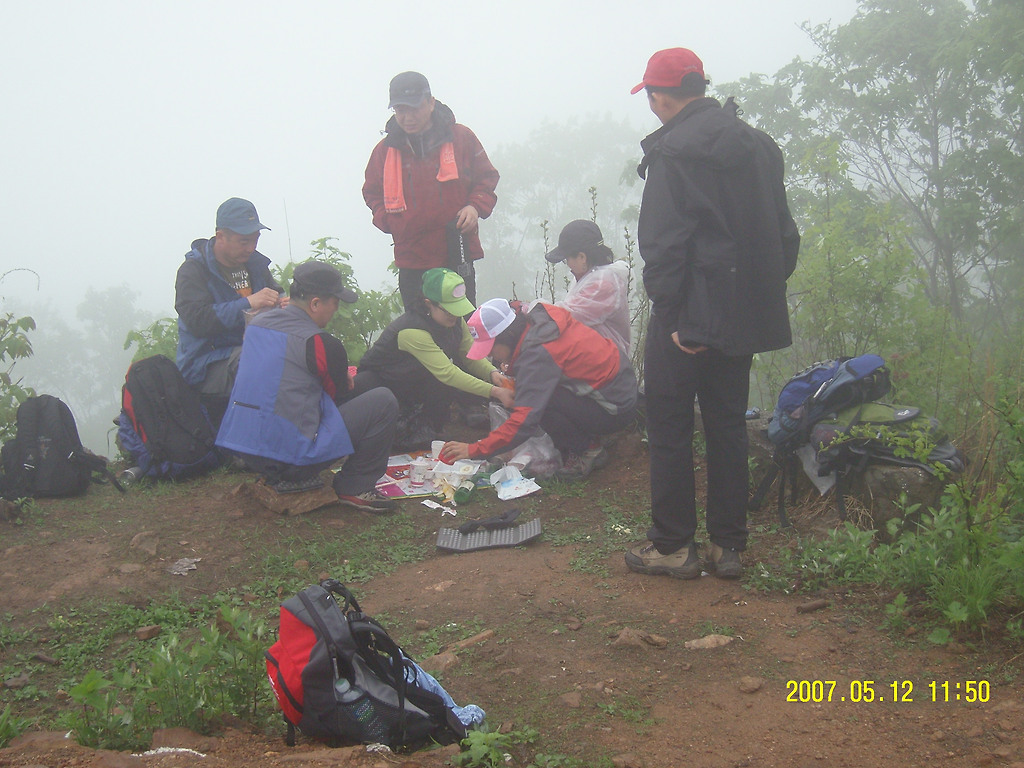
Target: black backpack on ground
<point>340,678</point>
<point>162,424</point>
<point>46,456</point>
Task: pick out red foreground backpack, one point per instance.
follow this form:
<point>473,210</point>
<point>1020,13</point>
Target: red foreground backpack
<point>338,677</point>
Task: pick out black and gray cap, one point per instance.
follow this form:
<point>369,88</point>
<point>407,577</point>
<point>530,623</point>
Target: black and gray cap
<point>317,278</point>
<point>579,236</point>
<point>408,89</point>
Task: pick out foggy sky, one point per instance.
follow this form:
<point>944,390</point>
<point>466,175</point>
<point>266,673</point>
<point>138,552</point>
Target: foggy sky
<point>127,123</point>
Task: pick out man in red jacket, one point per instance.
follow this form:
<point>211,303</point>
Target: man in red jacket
<point>428,182</point>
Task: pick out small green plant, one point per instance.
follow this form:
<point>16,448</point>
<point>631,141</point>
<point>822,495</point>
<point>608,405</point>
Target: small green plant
<point>484,748</point>
<point>896,613</point>
<point>629,709</point>
<point>10,726</point>
<point>355,324</point>
<point>940,636</point>
<point>8,636</point>
<point>772,577</point>
<point>844,556</point>
<point>101,721</point>
<point>159,338</point>
<point>14,346</point>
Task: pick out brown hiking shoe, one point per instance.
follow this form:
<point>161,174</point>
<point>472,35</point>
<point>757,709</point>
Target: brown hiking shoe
<point>579,465</point>
<point>681,564</point>
<point>724,563</point>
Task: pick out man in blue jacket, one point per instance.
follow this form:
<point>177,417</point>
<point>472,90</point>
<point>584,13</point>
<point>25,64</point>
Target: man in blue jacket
<point>221,280</point>
<point>291,414</point>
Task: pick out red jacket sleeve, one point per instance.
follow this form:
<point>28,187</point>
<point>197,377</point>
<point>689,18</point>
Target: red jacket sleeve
<point>373,187</point>
<point>484,175</point>
<point>327,359</point>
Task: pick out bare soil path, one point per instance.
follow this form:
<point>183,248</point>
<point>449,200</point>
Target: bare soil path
<point>592,656</point>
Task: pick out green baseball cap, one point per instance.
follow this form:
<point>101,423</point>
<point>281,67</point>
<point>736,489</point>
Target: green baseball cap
<point>447,288</point>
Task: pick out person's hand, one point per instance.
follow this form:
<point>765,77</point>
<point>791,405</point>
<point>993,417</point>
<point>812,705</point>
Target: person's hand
<point>453,451</point>
<point>264,299</point>
<point>499,379</point>
<point>466,219</point>
<point>696,350</point>
<point>504,396</point>
<point>283,301</point>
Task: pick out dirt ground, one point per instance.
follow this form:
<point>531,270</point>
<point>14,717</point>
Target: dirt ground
<point>559,659</point>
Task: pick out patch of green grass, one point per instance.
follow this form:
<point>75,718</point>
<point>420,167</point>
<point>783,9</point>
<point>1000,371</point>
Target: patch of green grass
<point>629,709</point>
<point>9,636</point>
<point>353,559</point>
<point>570,489</point>
<point>624,523</point>
<point>432,641</point>
<point>187,680</point>
<point>710,628</point>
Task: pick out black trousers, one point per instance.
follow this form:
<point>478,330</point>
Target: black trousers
<point>572,421</point>
<point>422,389</point>
<point>721,385</point>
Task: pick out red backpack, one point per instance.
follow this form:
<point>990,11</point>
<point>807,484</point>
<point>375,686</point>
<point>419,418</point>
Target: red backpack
<point>338,677</point>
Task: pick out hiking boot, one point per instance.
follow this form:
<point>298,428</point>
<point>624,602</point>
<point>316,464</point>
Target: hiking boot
<point>681,564</point>
<point>579,465</point>
<point>724,563</point>
<point>373,501</point>
<point>598,457</point>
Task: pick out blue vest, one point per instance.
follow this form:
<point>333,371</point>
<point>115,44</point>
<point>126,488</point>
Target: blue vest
<point>278,408</point>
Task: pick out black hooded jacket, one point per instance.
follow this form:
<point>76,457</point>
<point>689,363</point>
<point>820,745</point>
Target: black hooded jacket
<point>715,232</point>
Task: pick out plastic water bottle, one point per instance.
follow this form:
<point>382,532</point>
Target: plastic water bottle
<point>363,712</point>
<point>345,691</point>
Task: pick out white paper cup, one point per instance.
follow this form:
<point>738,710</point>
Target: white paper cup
<point>418,473</point>
<point>435,449</point>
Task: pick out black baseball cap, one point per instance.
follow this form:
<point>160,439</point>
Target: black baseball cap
<point>318,278</point>
<point>409,89</point>
<point>579,236</point>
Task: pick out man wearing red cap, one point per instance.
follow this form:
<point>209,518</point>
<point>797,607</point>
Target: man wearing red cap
<point>718,245</point>
<point>428,182</point>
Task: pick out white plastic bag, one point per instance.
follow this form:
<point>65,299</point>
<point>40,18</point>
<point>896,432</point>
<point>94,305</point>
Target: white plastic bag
<point>537,457</point>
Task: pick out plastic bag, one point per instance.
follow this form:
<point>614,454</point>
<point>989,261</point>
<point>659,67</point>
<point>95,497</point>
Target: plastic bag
<point>537,457</point>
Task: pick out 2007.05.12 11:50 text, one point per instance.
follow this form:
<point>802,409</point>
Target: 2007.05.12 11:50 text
<point>898,691</point>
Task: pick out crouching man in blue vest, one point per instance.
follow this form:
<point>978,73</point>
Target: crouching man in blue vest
<point>288,416</point>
